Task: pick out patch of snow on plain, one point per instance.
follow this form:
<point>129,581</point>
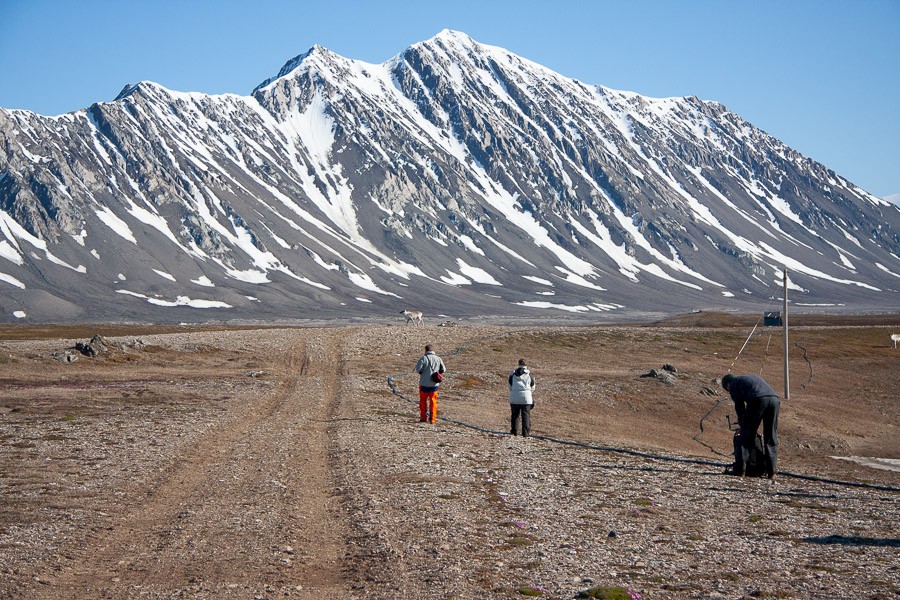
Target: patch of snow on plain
<point>10,253</point>
<point>247,275</point>
<point>785,209</point>
<point>204,281</point>
<point>565,307</point>
<point>19,314</point>
<point>364,281</point>
<point>628,265</point>
<point>164,275</point>
<point>58,261</point>
<point>119,226</point>
<point>796,266</point>
<point>476,274</point>
<point>579,280</point>
<point>538,280</point>
<point>886,270</point>
<point>455,279</point>
<point>179,301</point>
<point>470,244</point>
<point>12,230</point>
<point>846,261</point>
<point>12,281</point>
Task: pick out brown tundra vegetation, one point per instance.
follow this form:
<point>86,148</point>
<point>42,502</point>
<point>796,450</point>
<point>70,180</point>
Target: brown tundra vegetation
<point>210,462</point>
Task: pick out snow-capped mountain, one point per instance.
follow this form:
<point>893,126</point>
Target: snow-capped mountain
<point>455,178</point>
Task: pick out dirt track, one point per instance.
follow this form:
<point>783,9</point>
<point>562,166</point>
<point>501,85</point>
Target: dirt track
<point>250,504</point>
<point>278,463</point>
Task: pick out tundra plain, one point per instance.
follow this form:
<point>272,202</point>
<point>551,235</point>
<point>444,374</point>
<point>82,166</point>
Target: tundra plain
<point>240,462</point>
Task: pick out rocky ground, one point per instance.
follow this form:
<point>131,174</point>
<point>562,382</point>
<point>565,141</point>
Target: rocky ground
<point>268,463</point>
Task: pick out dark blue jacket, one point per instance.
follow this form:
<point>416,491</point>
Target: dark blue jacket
<point>745,388</point>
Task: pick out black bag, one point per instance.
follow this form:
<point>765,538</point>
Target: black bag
<point>756,464</point>
<point>437,377</point>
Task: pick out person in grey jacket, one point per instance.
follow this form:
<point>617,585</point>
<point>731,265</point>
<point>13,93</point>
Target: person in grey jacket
<point>755,403</point>
<point>521,386</point>
<point>428,365</point>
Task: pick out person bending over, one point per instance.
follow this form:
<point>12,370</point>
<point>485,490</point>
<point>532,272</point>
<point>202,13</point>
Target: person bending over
<point>755,402</point>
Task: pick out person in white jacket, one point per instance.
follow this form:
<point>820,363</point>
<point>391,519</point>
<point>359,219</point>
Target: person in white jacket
<point>521,386</point>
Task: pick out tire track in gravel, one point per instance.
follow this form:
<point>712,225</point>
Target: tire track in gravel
<point>252,509</point>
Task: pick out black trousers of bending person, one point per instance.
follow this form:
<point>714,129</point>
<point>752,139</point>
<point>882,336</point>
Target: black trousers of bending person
<point>760,410</point>
<point>523,410</point>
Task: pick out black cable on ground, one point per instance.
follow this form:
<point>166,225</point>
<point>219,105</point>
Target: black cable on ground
<point>390,382</point>
<point>808,364</point>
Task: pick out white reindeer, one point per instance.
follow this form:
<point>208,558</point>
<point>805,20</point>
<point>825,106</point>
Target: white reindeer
<point>412,316</point>
<point>895,337</point>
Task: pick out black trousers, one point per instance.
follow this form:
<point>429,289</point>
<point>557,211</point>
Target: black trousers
<point>523,410</point>
<point>760,410</point>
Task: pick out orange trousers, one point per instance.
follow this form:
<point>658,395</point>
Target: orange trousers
<point>427,406</point>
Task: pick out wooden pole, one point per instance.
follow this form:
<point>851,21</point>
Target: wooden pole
<point>787,370</point>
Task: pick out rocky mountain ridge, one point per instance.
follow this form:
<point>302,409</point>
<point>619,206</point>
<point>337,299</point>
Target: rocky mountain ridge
<point>457,178</point>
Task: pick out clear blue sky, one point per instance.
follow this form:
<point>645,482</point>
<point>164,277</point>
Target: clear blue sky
<point>821,75</point>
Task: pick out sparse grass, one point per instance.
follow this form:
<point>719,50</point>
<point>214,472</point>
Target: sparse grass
<point>517,540</point>
<point>469,382</point>
<point>794,503</point>
<point>605,593</point>
<point>527,590</point>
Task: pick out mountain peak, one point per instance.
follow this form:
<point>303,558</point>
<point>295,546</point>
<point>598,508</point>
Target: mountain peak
<point>130,89</point>
<point>316,51</point>
<point>452,40</point>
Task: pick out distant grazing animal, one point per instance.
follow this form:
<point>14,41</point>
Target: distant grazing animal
<point>412,316</point>
<point>895,337</point>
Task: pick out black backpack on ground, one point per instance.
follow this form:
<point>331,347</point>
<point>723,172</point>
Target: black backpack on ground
<point>756,463</point>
